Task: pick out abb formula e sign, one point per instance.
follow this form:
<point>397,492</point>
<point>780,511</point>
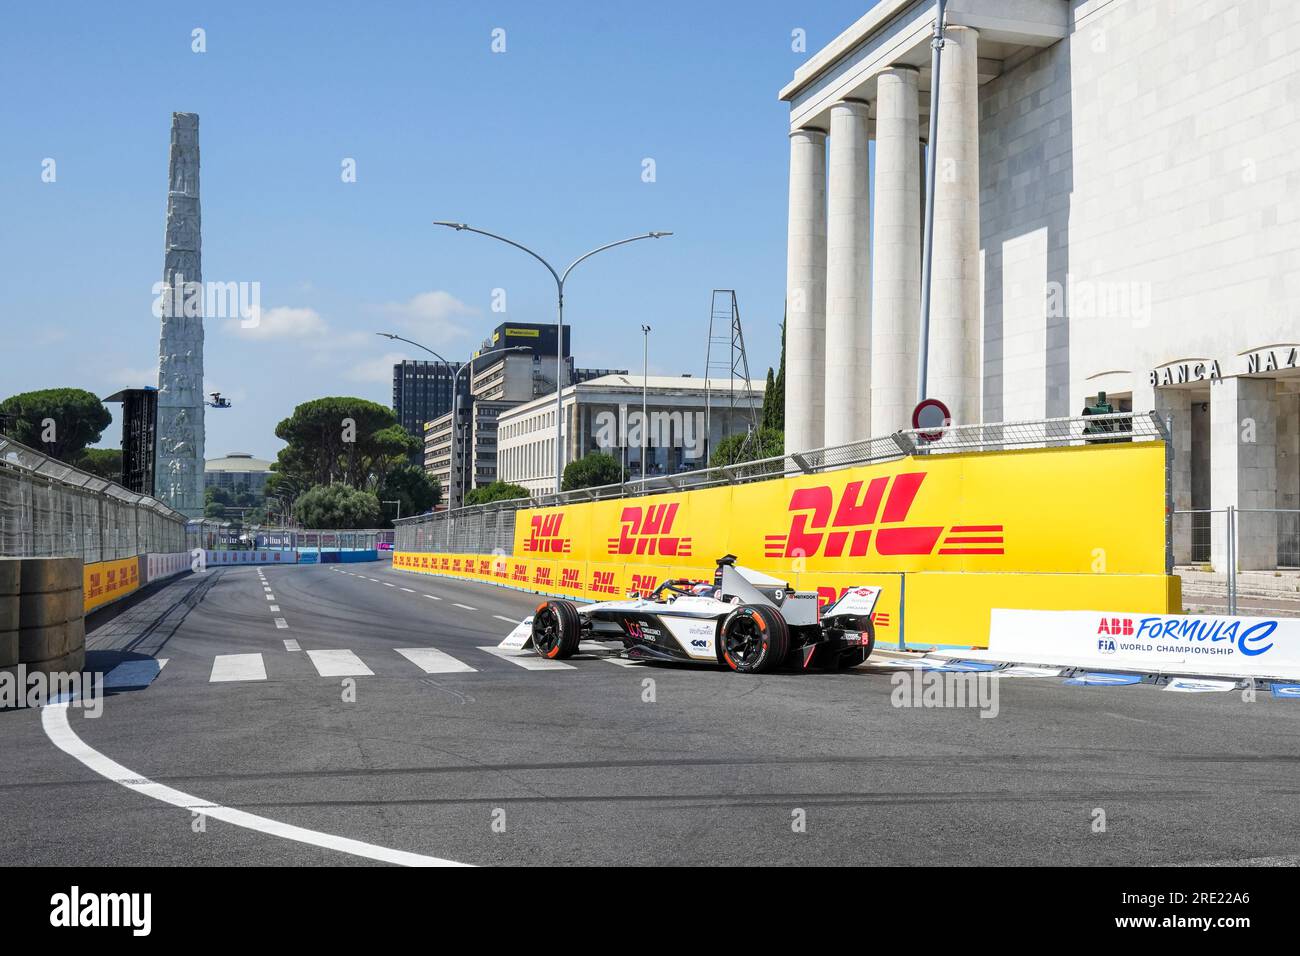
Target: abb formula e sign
<point>1014,511</point>
<point>1153,643</point>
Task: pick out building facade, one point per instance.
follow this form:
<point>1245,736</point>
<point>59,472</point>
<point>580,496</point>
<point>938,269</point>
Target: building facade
<point>238,471</point>
<point>1115,211</point>
<point>422,391</point>
<point>604,414</point>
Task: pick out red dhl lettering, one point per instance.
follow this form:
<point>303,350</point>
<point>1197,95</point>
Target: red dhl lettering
<point>602,582</point>
<point>646,530</point>
<point>571,578</point>
<point>820,525</point>
<point>544,535</point>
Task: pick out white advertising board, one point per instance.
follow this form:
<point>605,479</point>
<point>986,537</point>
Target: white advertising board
<point>1151,643</point>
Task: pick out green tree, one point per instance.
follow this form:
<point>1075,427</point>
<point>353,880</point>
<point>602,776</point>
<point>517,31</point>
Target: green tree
<point>765,443</point>
<point>497,491</point>
<point>592,471</point>
<point>416,489</point>
<point>104,462</point>
<point>76,418</point>
<point>774,393</point>
<point>337,506</point>
<point>338,439</point>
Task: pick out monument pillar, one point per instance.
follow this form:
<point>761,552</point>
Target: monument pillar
<point>179,470</point>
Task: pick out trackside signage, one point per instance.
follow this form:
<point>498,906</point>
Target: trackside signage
<point>1156,643</point>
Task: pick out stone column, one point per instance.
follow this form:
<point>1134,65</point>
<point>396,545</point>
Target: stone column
<point>1176,405</point>
<point>178,471</point>
<point>805,284</point>
<point>896,274</point>
<point>1243,469</point>
<point>848,277</point>
<point>955,276</point>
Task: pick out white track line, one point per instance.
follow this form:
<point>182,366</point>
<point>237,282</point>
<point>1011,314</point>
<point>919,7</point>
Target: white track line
<point>281,623</point>
<point>464,606</point>
<point>433,661</point>
<point>292,646</point>
<point>508,620</point>
<point>433,597</point>
<point>407,590</point>
<point>230,667</point>
<point>339,664</point>
<point>275,609</point>
<point>528,660</point>
<point>388,585</point>
<point>270,597</point>
<point>54,720</point>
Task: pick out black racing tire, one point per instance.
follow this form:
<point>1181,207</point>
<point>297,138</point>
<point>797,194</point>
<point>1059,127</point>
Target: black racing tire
<point>557,629</point>
<point>754,639</point>
<point>857,655</point>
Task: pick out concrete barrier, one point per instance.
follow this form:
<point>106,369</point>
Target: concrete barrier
<point>9,603</point>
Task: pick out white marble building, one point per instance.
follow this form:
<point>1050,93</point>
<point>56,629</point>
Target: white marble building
<point>1117,209</point>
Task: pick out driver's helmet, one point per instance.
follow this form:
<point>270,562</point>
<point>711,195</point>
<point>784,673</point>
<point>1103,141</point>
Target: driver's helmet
<point>703,588</point>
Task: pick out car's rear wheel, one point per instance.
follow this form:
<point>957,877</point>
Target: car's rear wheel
<point>856,655</point>
<point>754,639</point>
<point>557,629</point>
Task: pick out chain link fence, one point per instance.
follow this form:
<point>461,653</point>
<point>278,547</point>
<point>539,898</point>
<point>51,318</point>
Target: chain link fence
<point>1239,560</point>
<point>490,528</point>
<point>49,509</point>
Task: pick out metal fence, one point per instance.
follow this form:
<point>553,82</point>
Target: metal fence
<point>490,528</point>
<point>49,509</point>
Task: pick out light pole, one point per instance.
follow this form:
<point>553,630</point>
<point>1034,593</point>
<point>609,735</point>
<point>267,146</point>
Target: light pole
<point>453,476</point>
<point>559,318</point>
<point>645,381</point>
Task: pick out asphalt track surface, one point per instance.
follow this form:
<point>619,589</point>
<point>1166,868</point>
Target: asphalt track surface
<point>582,769</point>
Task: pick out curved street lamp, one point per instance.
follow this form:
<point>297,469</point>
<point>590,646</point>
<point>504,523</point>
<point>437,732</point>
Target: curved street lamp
<point>454,476</point>
<point>560,278</point>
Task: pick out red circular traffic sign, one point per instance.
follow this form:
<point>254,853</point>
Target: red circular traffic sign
<point>931,419</point>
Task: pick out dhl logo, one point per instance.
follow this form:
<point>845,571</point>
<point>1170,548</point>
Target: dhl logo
<point>542,575</point>
<point>571,579</point>
<point>821,525</point>
<point>519,573</point>
<point>602,582</point>
<point>484,566</point>
<point>501,570</point>
<point>647,530</point>
<point>645,583</point>
<point>544,535</point>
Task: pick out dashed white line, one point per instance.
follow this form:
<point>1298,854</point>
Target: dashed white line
<point>388,585</point>
<point>508,620</point>
<point>407,590</point>
<point>528,660</point>
<point>291,646</point>
<point>270,597</point>
<point>433,661</point>
<point>281,623</point>
<point>339,664</point>
<point>54,720</point>
<point>233,667</point>
<point>433,597</point>
<point>464,606</point>
<point>274,609</point>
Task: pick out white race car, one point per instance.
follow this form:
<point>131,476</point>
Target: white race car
<point>748,620</point>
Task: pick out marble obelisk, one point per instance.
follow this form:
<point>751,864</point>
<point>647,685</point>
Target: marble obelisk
<point>179,471</point>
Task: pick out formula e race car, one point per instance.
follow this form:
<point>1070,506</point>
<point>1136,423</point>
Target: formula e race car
<point>742,618</point>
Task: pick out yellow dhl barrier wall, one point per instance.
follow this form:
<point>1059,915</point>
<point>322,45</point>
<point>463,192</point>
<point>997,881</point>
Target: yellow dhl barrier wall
<point>105,581</point>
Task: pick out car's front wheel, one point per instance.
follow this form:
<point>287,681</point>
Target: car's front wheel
<point>557,629</point>
<point>754,639</point>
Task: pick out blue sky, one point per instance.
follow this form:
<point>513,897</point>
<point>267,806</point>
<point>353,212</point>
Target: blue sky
<point>544,142</point>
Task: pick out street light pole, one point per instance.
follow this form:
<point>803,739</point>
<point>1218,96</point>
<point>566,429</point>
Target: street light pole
<point>645,381</point>
<point>559,318</point>
<point>453,476</point>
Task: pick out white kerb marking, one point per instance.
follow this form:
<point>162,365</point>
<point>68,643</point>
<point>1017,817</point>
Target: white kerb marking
<point>232,667</point>
<point>527,660</point>
<point>54,720</point>
<point>339,664</point>
<point>433,661</point>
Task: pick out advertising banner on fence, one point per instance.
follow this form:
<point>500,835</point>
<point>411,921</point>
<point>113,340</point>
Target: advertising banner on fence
<point>105,581</point>
<point>1024,511</point>
<point>221,558</point>
<point>1152,643</point>
<point>159,566</point>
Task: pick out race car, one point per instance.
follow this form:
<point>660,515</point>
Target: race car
<point>747,620</point>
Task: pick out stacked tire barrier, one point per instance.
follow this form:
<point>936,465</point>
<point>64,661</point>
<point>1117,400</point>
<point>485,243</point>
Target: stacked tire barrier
<point>42,618</point>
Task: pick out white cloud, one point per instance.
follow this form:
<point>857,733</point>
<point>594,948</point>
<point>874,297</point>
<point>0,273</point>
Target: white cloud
<point>281,322</point>
<point>431,315</point>
<point>378,369</point>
